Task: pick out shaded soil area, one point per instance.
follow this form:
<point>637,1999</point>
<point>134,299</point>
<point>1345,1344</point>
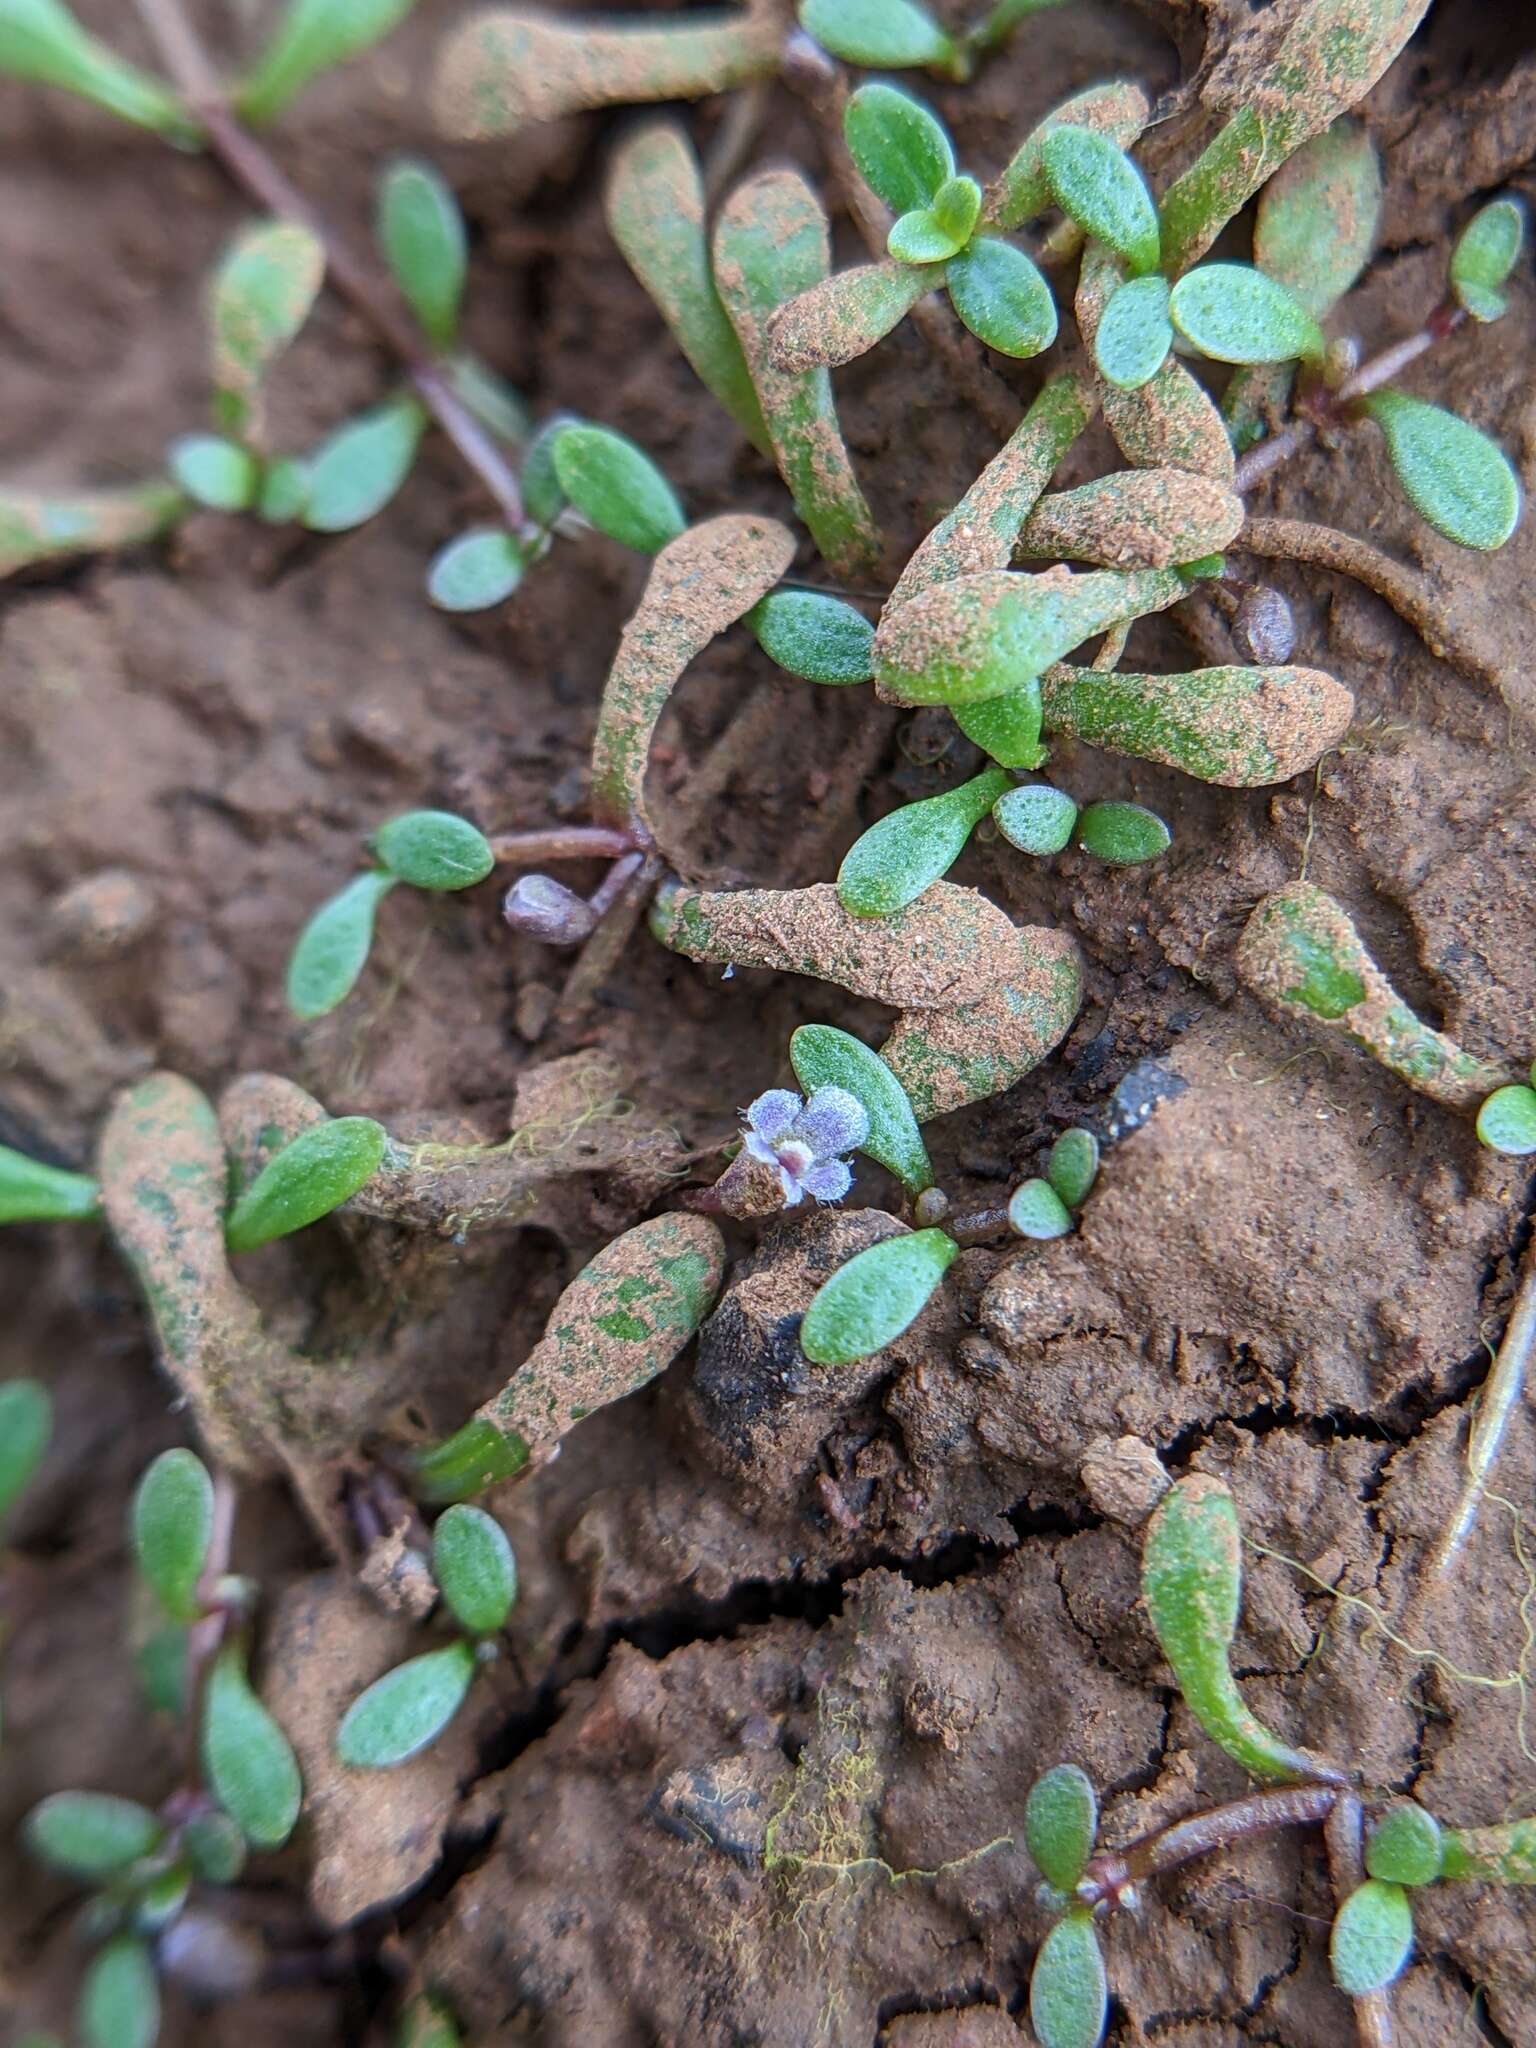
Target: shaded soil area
<point>790,1647</point>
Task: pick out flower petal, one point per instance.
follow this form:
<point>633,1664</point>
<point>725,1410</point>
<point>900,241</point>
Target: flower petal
<point>828,1182</point>
<point>832,1121</point>
<point>771,1115</point>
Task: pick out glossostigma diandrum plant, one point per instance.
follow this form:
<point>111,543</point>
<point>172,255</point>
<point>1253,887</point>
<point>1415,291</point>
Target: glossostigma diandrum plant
<point>1066,262</point>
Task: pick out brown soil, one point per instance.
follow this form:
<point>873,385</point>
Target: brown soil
<point>790,1647</point>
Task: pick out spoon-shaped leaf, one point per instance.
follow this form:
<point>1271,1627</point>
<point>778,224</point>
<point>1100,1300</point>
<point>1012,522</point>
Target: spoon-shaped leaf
<point>878,1294</point>
<point>43,43</point>
<point>434,850</point>
<point>26,1423</point>
<point>247,1761</point>
<point>1507,1121</point>
<point>120,1996</point>
<point>1002,297</point>
<point>91,1835</point>
<point>214,472</point>
<point>900,148</point>
<point>421,232</point>
<point>931,233</point>
<point>1036,819</point>
<point>1316,224</point>
<point>1235,314</point>
<point>333,947</point>
<point>1192,1582</point>
<point>1135,333</point>
<point>1405,1846</point>
<point>1073,1166</point>
<point>1455,477</point>
<point>1061,1818</point>
<point>1036,1210</point>
<point>1484,256</point>
<point>1099,187</point>
<point>884,34</point>
<point>312,1175</point>
<point>311,37</point>
<point>824,1057</point>
<point>480,569</point>
<point>406,1710</point>
<point>172,1521</point>
<point>1371,1939</point>
<point>892,863</point>
<point>1068,1990</point>
<point>618,487</point>
<point>31,1192</point>
<point>260,297</point>
<point>354,474</point>
<point>812,635</point>
<point>474,1567</point>
<point>1122,834</point>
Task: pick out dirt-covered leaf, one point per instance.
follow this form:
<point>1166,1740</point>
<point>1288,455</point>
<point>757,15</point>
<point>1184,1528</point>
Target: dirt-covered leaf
<point>1485,255</point>
<point>878,1294</point>
<point>1073,1166</point>
<point>354,474</point>
<point>1098,186</point>
<point>1002,297</point>
<point>480,569</point>
<point>1372,1937</point>
<point>172,1522</point>
<point>248,1763</point>
<point>259,299</point>
<point>474,1567</point>
<point>892,863</point>
<point>91,1835</point>
<point>312,1175</point>
<point>1122,834</point>
<point>1036,818</point>
<point>215,472</point>
<point>421,232</point>
<point>813,635</point>
<point>120,1996</point>
<point>1317,219</point>
<point>1061,1818</point>
<point>333,947</point>
<point>1068,1990</point>
<point>1507,1121</point>
<point>31,1192</point>
<point>1135,333</point>
<point>311,37</point>
<point>825,1057</point>
<point>884,34</point>
<point>1454,476</point>
<point>406,1710</point>
<point>1036,1210</point>
<point>436,850</point>
<point>1405,1845</point>
<point>1235,314</point>
<point>901,149</point>
<point>617,487</point>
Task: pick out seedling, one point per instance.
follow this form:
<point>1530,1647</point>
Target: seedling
<point>148,1869</point>
<point>406,1710</point>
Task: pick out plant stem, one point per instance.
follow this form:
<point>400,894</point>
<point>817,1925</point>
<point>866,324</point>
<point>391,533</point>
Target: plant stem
<point>561,842</point>
<point>1343,1836</point>
<point>207,1633</point>
<point>253,171</point>
<point>1109,1876</point>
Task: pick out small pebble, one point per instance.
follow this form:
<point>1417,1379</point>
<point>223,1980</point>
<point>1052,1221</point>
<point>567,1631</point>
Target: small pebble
<point>102,915</point>
<point>1123,1477</point>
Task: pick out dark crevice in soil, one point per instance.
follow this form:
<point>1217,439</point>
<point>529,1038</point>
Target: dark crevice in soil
<point>978,1991</point>
<point>1479,2020</point>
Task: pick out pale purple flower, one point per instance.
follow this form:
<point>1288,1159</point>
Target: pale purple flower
<point>803,1140</point>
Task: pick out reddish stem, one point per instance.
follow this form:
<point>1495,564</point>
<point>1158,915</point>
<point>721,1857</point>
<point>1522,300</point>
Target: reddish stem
<point>1109,1877</point>
<point>206,1635</point>
<point>1344,1833</point>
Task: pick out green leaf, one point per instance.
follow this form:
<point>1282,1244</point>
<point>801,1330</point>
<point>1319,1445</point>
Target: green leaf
<point>427,2024</point>
<point>1098,186</point>
<point>1006,727</point>
<point>1073,1166</point>
<point>1317,219</point>
<point>333,947</point>
<point>480,569</point>
<point>120,1997</point>
<point>1372,1938</point>
<point>1135,333</point>
<point>542,494</point>
<point>157,1902</point>
<point>172,1521</point>
<point>259,299</point>
<point>1036,819</point>
<point>421,233</point>
<point>1122,834</point>
<point>617,487</point>
<point>406,1710</point>
<point>215,472</point>
<point>1061,1818</point>
<point>354,474</point>
<point>312,1175</point>
<point>900,148</point>
<point>26,1423</point>
<point>284,491</point>
<point>43,43</point>
<point>1002,297</point>
<point>879,1293</point>
<point>929,234</point>
<point>311,37</point>
<point>812,635</point>
<point>1484,256</point>
<point>892,863</point>
<point>475,1570</point>
<point>160,1664</point>
<point>215,1848</point>
<point>1235,314</point>
<point>434,850</point>
<point>1507,1121</point>
<point>1068,1991</point>
<point>91,1835</point>
<point>884,34</point>
<point>1036,1210</point>
<point>473,1458</point>
<point>1405,1845</point>
<point>1454,476</point>
<point>825,1057</point>
<point>247,1761</point>
<point>31,1192</point>
<point>498,408</point>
